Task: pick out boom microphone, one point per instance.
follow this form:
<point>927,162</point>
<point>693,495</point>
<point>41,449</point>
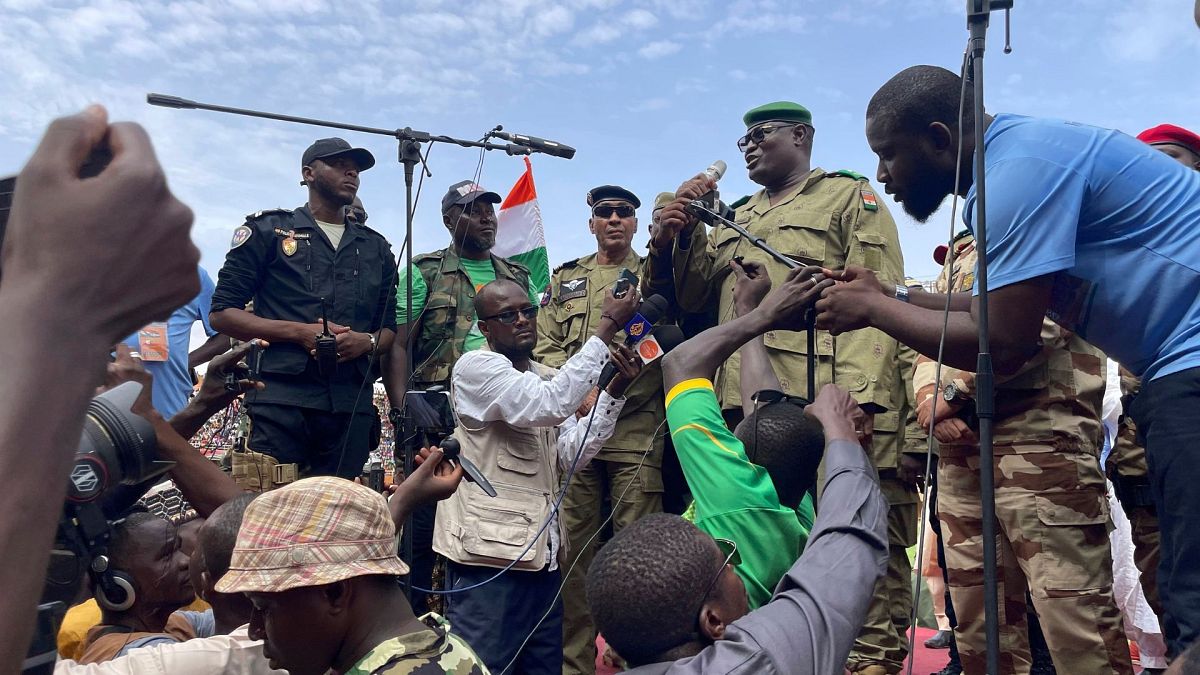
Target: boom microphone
<point>538,144</point>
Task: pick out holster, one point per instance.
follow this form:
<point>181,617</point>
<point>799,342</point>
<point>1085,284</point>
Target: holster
<point>1132,492</point>
<point>259,472</point>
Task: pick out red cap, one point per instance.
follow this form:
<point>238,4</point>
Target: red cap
<point>939,254</point>
<point>1169,133</point>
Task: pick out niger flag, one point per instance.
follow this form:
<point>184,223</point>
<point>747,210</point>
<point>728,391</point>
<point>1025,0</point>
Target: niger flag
<point>519,233</point>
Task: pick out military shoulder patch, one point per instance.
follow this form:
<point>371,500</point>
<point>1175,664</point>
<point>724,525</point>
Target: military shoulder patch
<point>847,173</point>
<point>571,289</point>
<point>868,199</point>
<point>240,236</point>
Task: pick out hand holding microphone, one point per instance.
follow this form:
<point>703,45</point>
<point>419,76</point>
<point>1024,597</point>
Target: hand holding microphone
<point>674,217</point>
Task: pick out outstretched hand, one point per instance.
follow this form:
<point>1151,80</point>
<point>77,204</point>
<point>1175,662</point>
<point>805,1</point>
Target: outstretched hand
<point>847,305</point>
<point>787,306</point>
<point>751,284</point>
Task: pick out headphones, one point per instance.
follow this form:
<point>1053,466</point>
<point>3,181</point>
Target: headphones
<point>114,589</point>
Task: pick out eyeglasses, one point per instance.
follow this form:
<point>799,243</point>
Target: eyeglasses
<point>769,396</point>
<point>759,133</point>
<point>731,558</point>
<point>606,211</point>
<point>510,317</point>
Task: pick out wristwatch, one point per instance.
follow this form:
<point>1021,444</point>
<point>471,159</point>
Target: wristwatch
<point>952,394</point>
<point>902,292</point>
<point>374,342</point>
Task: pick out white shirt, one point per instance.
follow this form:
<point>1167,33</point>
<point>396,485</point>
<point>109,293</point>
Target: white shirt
<point>334,231</point>
<point>487,388</point>
<point>233,654</point>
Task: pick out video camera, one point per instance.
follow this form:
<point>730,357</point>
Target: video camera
<point>117,461</point>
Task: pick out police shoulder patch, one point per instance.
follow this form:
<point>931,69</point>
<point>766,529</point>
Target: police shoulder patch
<point>267,212</point>
<point>240,236</point>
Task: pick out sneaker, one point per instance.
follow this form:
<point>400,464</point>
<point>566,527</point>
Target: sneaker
<point>940,640</point>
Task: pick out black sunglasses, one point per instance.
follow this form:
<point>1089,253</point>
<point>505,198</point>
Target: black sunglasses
<point>606,211</point>
<point>510,317</point>
<point>731,558</point>
<point>759,133</point>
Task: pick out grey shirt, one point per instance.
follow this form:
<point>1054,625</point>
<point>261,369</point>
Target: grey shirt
<point>819,606</point>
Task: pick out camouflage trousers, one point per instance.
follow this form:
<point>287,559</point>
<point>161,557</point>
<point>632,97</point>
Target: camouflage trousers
<point>1052,527</point>
<point>582,516</point>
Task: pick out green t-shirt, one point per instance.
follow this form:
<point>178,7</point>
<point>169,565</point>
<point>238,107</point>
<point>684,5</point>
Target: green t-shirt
<point>734,498</point>
<point>480,272</point>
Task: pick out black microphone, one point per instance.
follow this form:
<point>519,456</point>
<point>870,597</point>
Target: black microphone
<point>649,311</point>
<point>451,450</point>
<point>538,144</point>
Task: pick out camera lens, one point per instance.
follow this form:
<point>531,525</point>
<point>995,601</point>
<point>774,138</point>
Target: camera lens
<point>118,447</point>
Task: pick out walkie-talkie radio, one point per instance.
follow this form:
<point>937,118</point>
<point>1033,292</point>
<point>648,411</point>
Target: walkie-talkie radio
<point>326,346</point>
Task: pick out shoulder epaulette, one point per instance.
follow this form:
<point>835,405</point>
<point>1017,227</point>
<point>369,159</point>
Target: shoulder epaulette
<point>846,173</point>
<point>567,265</point>
<point>740,203</point>
<point>267,212</point>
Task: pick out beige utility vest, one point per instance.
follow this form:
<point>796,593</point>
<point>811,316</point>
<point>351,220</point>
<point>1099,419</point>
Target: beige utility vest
<point>522,464</point>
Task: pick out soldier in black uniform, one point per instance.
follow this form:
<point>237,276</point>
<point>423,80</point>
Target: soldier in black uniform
<point>305,423</point>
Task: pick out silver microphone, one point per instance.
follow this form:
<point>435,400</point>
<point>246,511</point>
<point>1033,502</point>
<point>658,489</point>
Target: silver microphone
<point>717,170</point>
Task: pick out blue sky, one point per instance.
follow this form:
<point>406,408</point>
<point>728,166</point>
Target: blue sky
<point>648,92</point>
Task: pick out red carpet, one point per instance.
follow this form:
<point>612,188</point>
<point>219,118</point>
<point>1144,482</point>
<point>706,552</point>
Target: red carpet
<point>927,660</point>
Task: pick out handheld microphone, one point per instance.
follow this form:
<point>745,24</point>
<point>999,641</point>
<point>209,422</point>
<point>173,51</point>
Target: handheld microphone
<point>452,452</point>
<point>649,312</point>
<point>538,144</point>
<point>669,333</point>
<point>715,171</point>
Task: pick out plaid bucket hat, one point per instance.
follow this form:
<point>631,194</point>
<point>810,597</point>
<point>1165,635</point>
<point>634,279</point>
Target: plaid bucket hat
<point>312,532</point>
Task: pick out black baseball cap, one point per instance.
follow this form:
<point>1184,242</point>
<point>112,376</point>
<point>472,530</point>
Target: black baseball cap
<point>332,147</point>
<point>465,192</point>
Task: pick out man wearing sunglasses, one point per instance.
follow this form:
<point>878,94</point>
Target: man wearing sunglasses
<point>627,471</point>
<point>440,326</point>
<point>674,597</point>
<point>517,423</point>
<point>820,218</point>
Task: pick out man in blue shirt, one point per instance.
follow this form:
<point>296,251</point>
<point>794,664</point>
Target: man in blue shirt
<point>163,348</point>
<point>1087,226</point>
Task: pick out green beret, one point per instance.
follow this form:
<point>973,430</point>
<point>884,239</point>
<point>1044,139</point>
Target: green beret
<point>663,199</point>
<point>606,192</point>
<point>779,111</point>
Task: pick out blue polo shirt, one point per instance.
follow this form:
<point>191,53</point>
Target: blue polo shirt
<point>1116,222</point>
<point>172,378</point>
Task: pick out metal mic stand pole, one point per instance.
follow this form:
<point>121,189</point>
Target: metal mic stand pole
<point>699,209</point>
<point>978,12</point>
<point>410,156</point>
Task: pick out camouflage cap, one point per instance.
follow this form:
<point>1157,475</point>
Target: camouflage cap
<point>779,111</point>
<point>312,532</point>
<point>663,199</point>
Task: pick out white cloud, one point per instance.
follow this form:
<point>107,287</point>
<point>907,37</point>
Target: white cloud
<point>659,48</point>
<point>640,19</point>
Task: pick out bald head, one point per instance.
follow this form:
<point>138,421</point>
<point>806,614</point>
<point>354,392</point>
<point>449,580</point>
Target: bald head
<point>497,293</point>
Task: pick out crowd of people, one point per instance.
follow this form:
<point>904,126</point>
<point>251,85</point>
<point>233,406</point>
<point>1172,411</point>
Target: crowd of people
<point>712,454</point>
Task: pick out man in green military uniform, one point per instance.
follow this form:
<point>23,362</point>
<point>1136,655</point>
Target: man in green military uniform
<point>440,326</point>
<point>627,469</point>
<point>813,217</point>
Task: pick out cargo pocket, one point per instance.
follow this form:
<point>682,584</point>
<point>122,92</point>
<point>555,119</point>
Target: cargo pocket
<point>504,526</point>
<point>1072,533</point>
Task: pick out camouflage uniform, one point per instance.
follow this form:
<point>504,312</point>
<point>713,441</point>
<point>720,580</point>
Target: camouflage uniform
<point>1051,507</point>
<point>435,651</point>
<point>830,219</point>
<point>567,319</point>
<point>449,313</point>
<point>1126,468</point>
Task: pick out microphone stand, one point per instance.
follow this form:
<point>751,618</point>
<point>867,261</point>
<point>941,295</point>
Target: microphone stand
<point>409,155</point>
<point>701,210</point>
<point>978,12</point>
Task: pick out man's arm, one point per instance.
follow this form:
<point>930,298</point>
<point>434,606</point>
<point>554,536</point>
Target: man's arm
<point>216,655</point>
<point>817,610</point>
<point>433,480</point>
<point>756,374</point>
<point>551,344</point>
<point>1016,310</point>
<point>214,346</point>
<point>137,267</point>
